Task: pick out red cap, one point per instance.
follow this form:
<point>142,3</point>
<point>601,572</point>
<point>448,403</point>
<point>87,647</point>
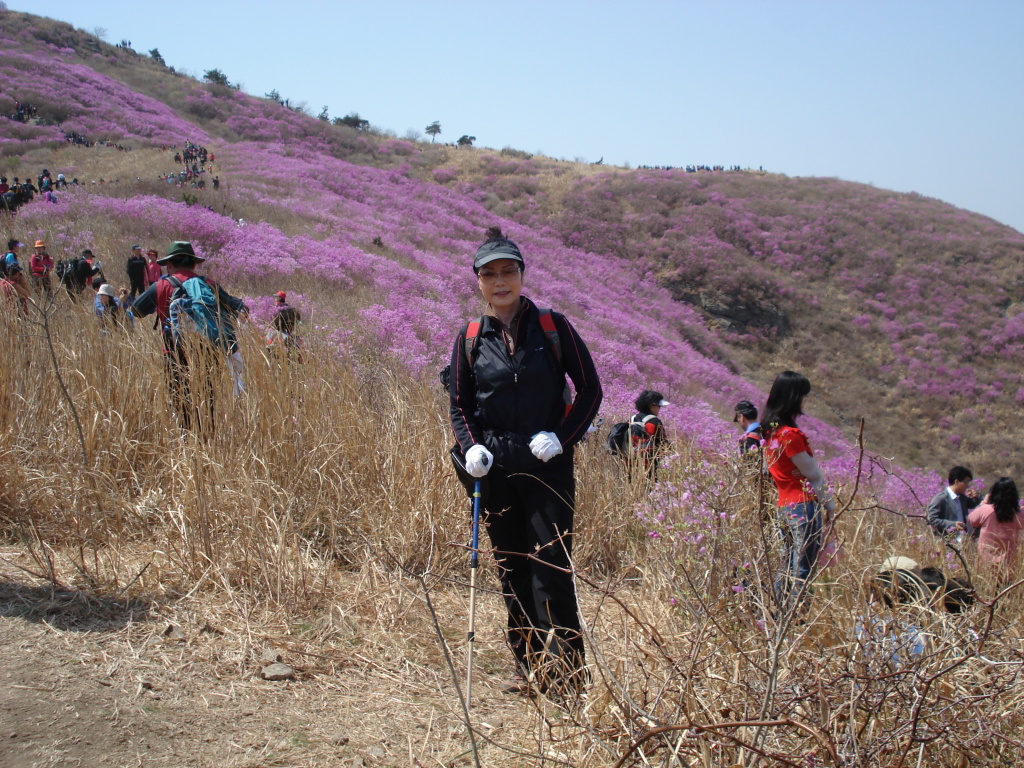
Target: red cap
<point>282,295</point>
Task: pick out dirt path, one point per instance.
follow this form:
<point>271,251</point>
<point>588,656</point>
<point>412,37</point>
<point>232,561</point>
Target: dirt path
<point>85,683</point>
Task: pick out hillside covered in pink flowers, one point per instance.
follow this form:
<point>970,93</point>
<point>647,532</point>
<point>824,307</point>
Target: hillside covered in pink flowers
<point>902,310</point>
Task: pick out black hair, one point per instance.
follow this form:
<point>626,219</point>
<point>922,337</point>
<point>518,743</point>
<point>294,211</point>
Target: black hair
<point>493,233</point>
<point>1004,497</point>
<point>12,243</point>
<point>646,399</point>
<point>958,473</point>
<point>747,409</point>
<point>785,400</point>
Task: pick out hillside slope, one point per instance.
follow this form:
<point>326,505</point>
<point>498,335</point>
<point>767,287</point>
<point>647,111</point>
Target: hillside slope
<point>695,283</point>
<point>149,573</point>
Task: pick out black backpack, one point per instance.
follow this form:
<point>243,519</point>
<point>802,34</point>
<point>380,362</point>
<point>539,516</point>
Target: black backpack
<point>627,435</point>
<point>64,270</point>
<point>618,439</point>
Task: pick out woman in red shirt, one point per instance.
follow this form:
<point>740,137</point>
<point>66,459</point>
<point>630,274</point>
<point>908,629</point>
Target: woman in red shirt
<point>805,504</point>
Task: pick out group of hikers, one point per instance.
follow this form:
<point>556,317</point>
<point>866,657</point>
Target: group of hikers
<point>515,431</point>
<point>516,424</point>
<point>190,308</point>
<point>194,158</point>
<point>23,111</point>
<point>806,505</point>
<point>694,168</point>
<point>17,192</point>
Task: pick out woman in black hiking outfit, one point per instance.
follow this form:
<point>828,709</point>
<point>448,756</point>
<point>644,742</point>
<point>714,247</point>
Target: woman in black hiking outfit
<point>514,429</point>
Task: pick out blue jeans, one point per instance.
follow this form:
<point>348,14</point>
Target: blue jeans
<point>801,529</point>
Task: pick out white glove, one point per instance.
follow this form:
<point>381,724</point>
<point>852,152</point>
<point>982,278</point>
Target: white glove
<point>545,446</point>
<point>478,460</point>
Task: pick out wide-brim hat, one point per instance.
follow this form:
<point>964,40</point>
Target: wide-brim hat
<point>108,290</point>
<point>39,244</point>
<point>180,250</point>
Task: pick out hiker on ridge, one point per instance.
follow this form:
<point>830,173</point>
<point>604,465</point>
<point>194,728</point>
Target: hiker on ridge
<point>109,306</point>
<point>285,323</point>
<point>746,416</point>
<point>513,429</point>
<point>80,274</point>
<point>153,269</point>
<point>190,357</point>
<point>1000,525</point>
<point>647,432</point>
<point>11,257</point>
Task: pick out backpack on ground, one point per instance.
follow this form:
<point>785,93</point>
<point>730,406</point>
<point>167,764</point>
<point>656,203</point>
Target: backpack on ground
<point>196,309</point>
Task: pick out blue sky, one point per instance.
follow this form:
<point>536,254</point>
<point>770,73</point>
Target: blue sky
<point>912,95</point>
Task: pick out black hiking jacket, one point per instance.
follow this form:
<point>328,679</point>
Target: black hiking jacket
<point>503,400</point>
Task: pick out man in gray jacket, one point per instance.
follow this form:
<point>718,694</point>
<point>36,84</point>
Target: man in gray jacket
<point>947,512</point>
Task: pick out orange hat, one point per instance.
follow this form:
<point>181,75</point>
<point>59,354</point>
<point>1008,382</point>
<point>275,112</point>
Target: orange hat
<point>40,244</point>
<point>282,295</point>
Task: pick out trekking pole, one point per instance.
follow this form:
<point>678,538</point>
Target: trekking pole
<point>474,564</point>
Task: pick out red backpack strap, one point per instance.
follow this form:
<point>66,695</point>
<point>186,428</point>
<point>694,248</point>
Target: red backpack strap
<point>472,334</point>
<point>547,322</point>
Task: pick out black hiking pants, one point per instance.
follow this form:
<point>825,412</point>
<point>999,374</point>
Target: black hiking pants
<point>137,286</point>
<point>529,520</point>
<point>191,390</point>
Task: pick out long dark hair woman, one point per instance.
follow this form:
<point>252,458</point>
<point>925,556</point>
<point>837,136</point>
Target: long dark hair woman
<point>804,504</point>
<point>514,429</point>
<point>1000,525</point>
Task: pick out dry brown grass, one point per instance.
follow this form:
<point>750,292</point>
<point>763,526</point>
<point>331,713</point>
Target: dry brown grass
<point>322,507</point>
<point>322,513</point>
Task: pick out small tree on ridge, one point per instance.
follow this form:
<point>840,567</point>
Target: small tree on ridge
<point>434,130</point>
<point>216,77</point>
